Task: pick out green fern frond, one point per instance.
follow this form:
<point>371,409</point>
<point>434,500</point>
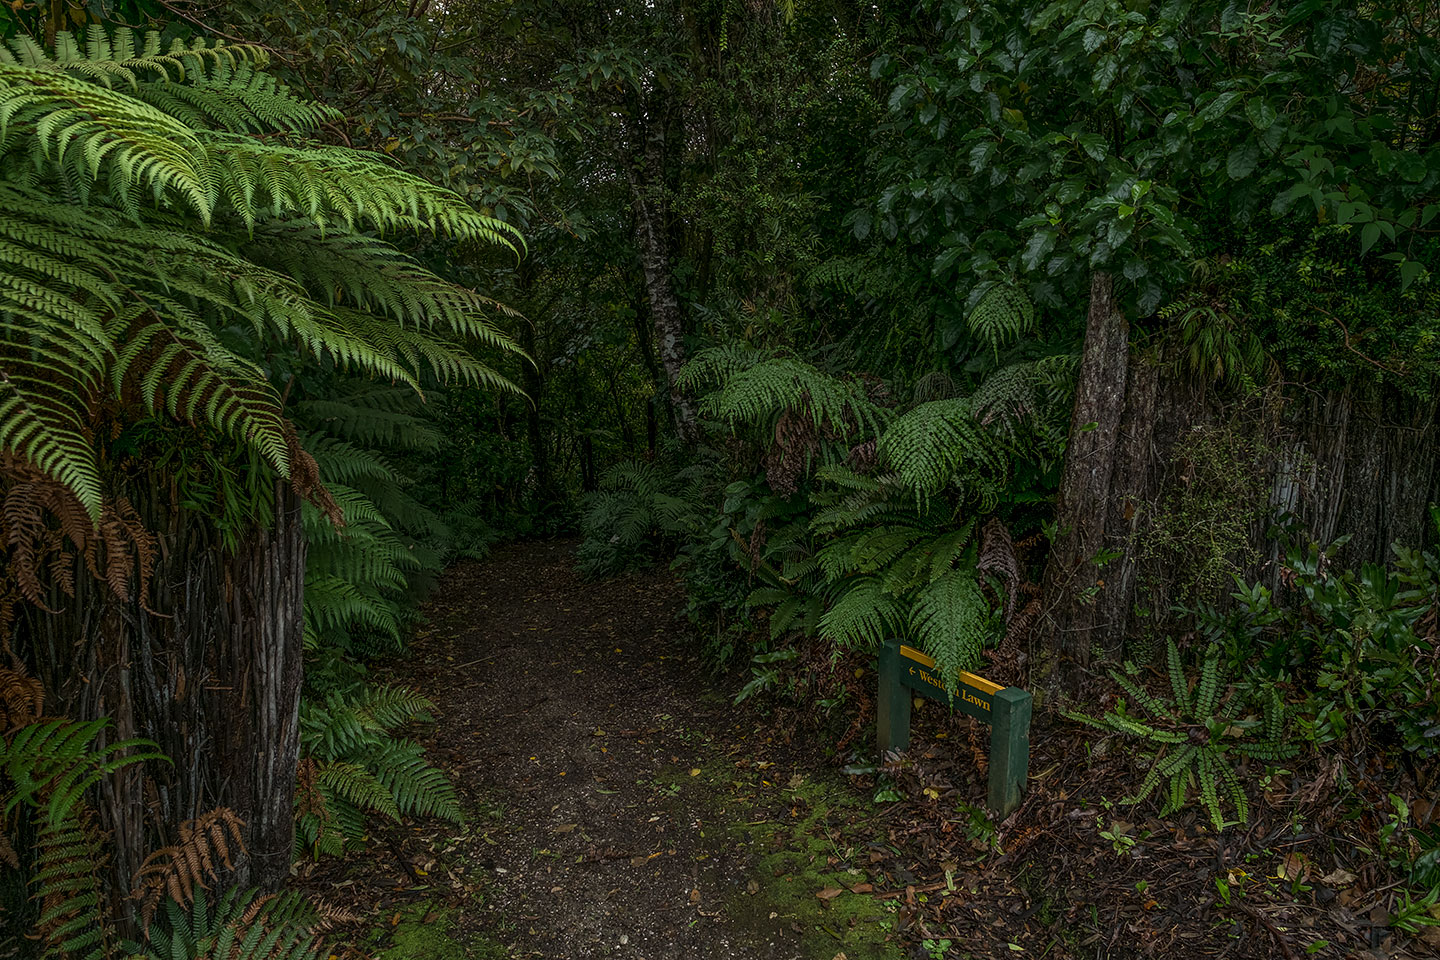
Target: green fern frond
<point>762,391</point>
<point>417,787</point>
<point>1002,312</point>
<point>238,925</point>
<point>938,443</point>
<point>950,617</point>
<point>863,615</point>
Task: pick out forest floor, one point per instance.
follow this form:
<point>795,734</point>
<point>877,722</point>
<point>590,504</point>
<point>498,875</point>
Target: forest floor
<point>621,807</point>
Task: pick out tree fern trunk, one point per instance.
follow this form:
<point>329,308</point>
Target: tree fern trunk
<point>212,675</point>
<point>1361,460</point>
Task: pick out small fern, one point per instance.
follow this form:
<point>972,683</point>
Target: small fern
<point>1196,743</point>
<point>353,767</point>
<point>238,925</point>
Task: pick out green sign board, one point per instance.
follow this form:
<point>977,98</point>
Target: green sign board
<point>905,671</point>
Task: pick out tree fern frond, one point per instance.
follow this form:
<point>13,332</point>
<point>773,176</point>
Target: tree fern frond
<point>863,615</point>
<point>949,618</point>
<point>938,442</point>
<point>1002,312</point>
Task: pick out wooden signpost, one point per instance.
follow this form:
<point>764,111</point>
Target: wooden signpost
<point>1007,709</point>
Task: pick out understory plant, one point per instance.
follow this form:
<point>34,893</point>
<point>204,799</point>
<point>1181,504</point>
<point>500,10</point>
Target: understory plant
<point>1197,739</point>
<point>353,766</point>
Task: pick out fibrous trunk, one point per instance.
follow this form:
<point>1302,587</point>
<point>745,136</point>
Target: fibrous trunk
<point>209,667</point>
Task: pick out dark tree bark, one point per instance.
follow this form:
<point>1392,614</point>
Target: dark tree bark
<point>534,383</point>
<point>652,240</point>
<point>212,675</point>
<point>1362,460</point>
<point>1072,576</point>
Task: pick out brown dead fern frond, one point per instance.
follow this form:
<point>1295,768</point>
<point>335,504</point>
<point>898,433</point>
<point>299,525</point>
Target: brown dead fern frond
<point>997,556</point>
<point>22,698</point>
<point>305,479</point>
<point>177,871</point>
<point>309,798</point>
<point>47,529</point>
<point>328,916</point>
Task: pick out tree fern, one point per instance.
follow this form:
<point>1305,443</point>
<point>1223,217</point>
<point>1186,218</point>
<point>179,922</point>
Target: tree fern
<point>45,769</point>
<point>762,391</point>
<point>863,615</point>
<point>940,443</point>
<point>140,215</point>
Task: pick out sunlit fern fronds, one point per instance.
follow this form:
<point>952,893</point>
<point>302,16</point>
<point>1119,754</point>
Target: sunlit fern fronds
<point>141,217</point>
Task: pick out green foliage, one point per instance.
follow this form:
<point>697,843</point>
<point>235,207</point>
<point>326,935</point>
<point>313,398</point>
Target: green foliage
<point>1359,642</point>
<point>756,390</point>
<point>1197,737</point>
<point>103,293</point>
<point>638,507</point>
<point>238,925</point>
<point>48,765</point>
<point>354,766</point>
<point>940,443</point>
<point>364,574</point>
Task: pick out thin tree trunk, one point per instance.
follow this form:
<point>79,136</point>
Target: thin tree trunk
<point>652,240</point>
<point>1073,578</point>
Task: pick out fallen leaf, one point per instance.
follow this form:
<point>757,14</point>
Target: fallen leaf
<point>862,888</point>
<point>564,828</point>
<point>752,887</point>
<point>829,893</point>
<point>1294,866</point>
<point>1338,878</point>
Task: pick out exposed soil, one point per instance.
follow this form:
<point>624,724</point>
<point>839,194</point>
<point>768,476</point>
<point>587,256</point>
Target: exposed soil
<point>623,808</point>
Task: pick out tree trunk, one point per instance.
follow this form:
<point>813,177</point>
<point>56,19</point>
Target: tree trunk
<point>534,383</point>
<point>1073,577</point>
<point>213,676</point>
<point>1361,460</point>
<point>652,240</point>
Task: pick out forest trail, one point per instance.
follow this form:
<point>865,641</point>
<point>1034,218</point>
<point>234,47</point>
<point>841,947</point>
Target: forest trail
<point>621,807</point>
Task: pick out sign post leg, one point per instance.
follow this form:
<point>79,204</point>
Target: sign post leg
<point>892,706</point>
<point>1009,749</point>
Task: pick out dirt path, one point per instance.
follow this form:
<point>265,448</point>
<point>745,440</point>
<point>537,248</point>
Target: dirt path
<point>622,809</point>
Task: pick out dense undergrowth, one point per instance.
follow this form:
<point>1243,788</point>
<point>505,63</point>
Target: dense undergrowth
<point>1085,345</point>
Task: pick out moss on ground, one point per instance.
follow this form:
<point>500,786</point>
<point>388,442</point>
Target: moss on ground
<point>427,931</point>
<point>799,857</point>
